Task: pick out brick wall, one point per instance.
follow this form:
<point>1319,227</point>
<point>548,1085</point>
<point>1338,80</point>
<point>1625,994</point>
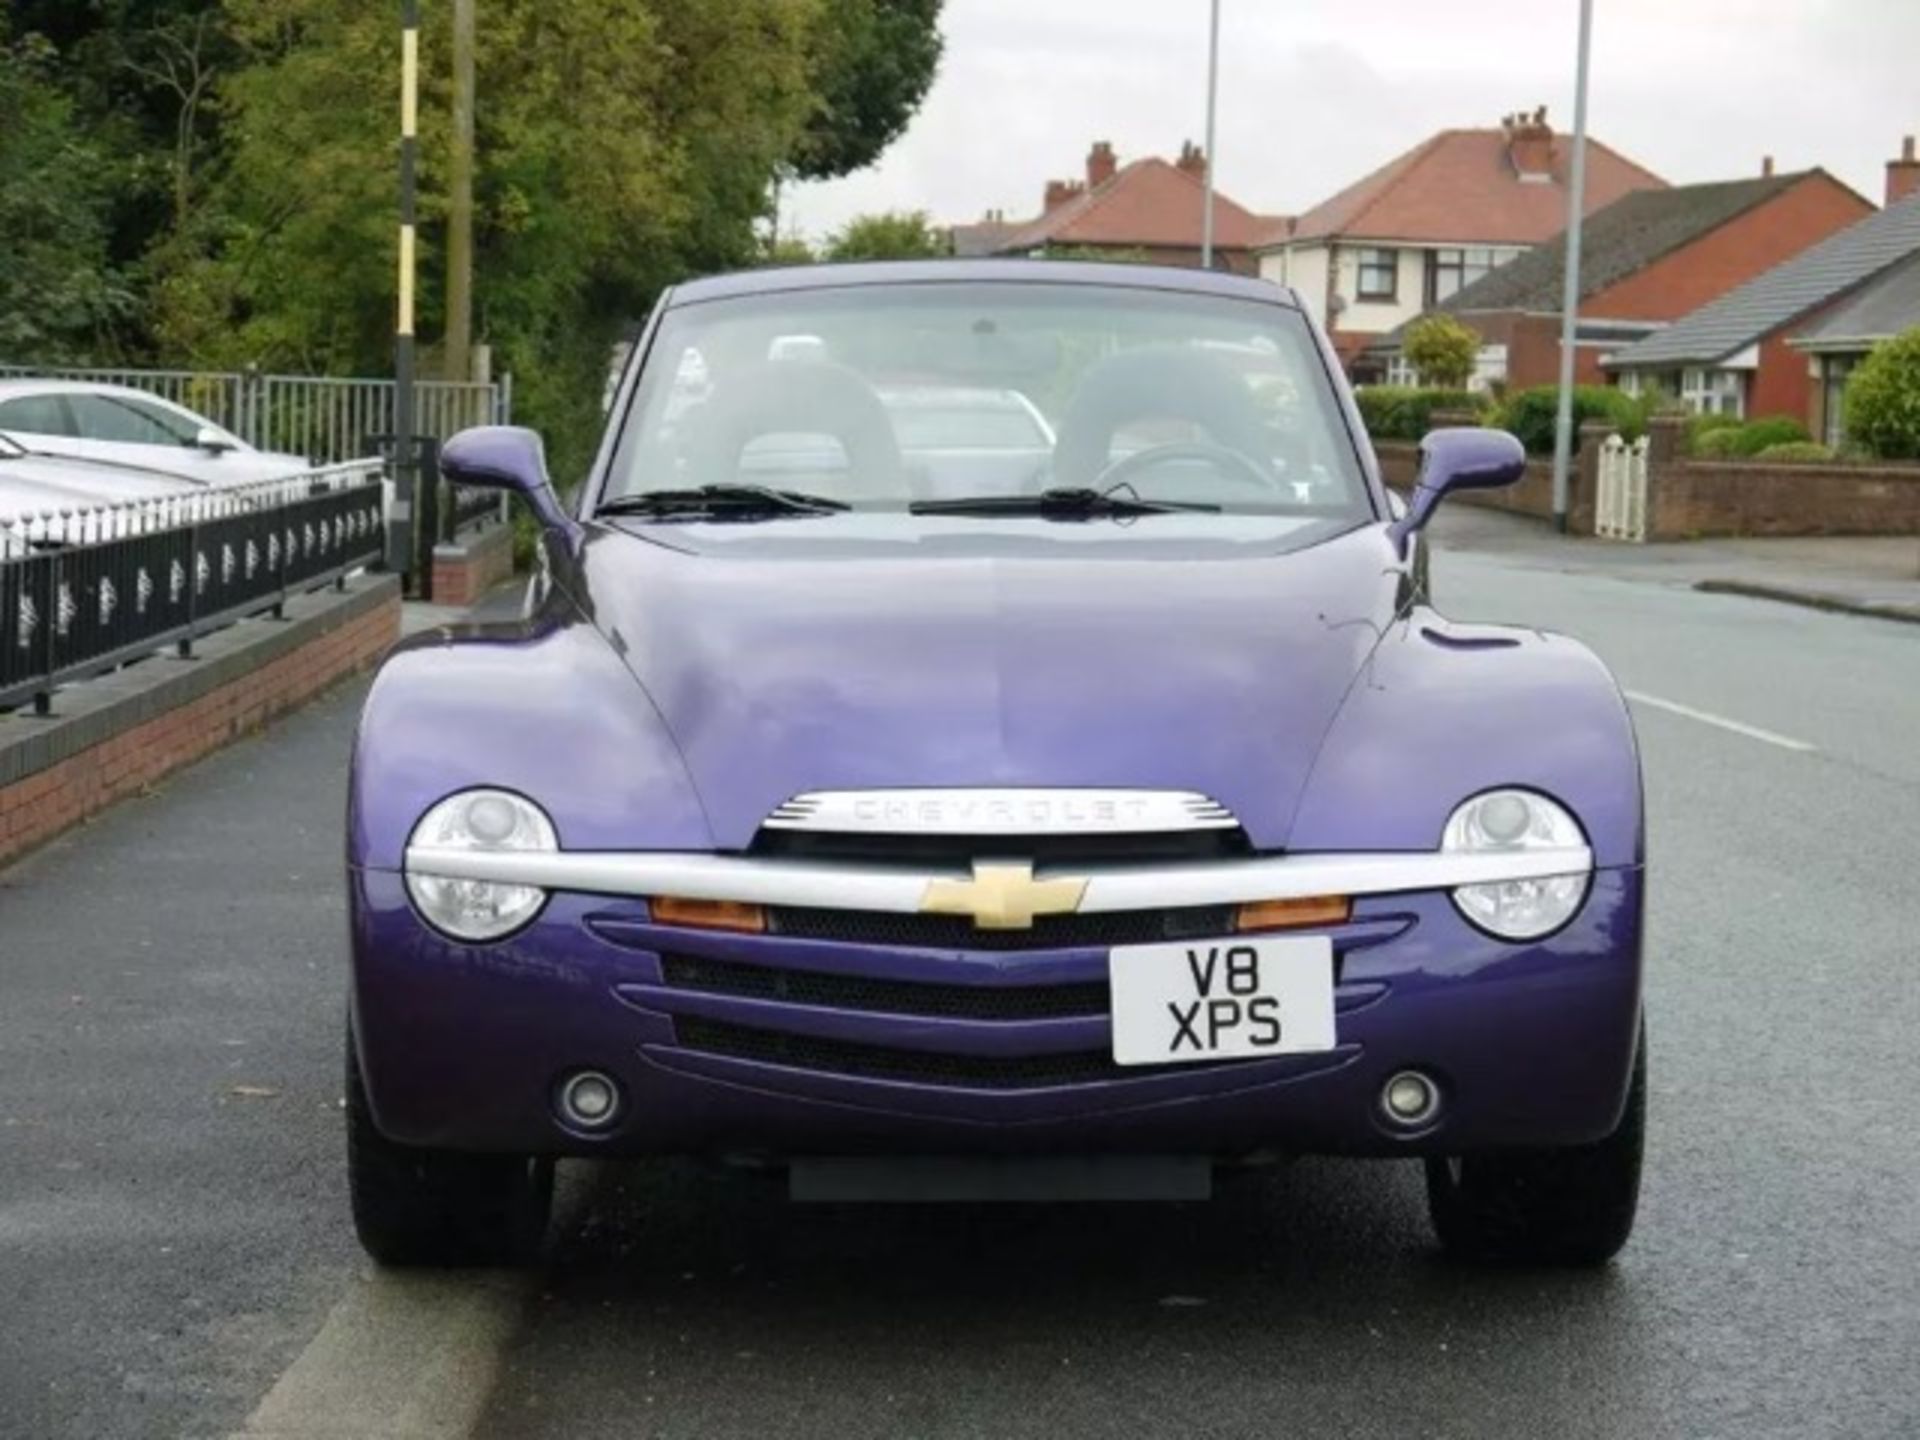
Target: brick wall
<point>111,737</point>
<point>1689,499</point>
<point>465,569</point>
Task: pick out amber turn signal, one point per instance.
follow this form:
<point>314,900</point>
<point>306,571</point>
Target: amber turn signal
<point>1292,914</point>
<point>709,914</point>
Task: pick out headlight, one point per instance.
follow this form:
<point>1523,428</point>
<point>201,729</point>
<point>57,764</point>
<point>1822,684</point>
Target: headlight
<point>1515,821</point>
<point>493,820</point>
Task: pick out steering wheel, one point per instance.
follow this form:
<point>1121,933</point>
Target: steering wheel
<point>1229,462</point>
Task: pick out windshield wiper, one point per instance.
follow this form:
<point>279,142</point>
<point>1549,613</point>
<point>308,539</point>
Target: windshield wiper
<point>1062,503</point>
<point>746,502</point>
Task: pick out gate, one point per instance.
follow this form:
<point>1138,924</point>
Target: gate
<point>1620,506</point>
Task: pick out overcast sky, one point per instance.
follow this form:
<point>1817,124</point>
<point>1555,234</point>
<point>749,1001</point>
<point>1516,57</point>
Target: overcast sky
<point>1314,93</point>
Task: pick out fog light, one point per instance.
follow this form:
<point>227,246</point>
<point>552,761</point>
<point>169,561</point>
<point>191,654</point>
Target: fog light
<point>1410,1099</point>
<point>589,1100</point>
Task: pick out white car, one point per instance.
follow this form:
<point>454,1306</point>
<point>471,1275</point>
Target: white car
<point>38,485</point>
<point>124,426</point>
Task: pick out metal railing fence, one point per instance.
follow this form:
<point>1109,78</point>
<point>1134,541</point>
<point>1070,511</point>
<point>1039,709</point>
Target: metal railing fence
<point>325,418</point>
<point>84,591</point>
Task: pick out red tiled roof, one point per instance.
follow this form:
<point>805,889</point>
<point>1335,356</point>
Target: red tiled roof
<point>1460,185</point>
<point>1148,202</point>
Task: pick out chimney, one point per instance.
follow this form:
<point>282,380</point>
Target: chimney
<point>1766,167</point>
<point>1192,161</point>
<point>1059,192</point>
<point>1100,164</point>
<point>1903,175</point>
<point>1530,145</point>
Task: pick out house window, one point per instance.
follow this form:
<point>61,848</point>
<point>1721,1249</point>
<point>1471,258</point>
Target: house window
<point>1450,271</point>
<point>1379,275</point>
<point>1714,392</point>
<point>1401,372</point>
<point>1489,369</point>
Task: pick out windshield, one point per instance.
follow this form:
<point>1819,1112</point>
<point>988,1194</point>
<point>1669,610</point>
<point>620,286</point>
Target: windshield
<point>885,397</point>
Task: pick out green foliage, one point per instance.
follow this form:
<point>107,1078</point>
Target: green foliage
<point>59,295</point>
<point>1720,444</point>
<point>788,250</point>
<point>1803,451</point>
<point>1532,414</point>
<point>1699,426</point>
<point>871,63</point>
<point>1393,412</point>
<point>1883,400</point>
<point>1768,431</point>
<point>1442,350</point>
<point>1099,254</point>
<point>895,235</point>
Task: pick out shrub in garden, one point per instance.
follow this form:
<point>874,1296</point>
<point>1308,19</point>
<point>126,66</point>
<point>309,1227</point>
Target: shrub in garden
<point>1806,452</point>
<point>1768,431</point>
<point>1442,351</point>
<point>1721,444</point>
<point>1700,426</point>
<point>1397,412</point>
<point>1883,399</point>
<point>1532,414</point>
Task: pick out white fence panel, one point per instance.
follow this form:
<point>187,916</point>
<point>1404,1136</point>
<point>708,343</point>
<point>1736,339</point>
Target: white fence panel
<point>1620,506</point>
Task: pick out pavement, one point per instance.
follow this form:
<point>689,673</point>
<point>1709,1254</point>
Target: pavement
<point>176,1258</point>
<point>1871,575</point>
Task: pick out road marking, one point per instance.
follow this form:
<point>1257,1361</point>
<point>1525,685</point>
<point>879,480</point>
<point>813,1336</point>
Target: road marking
<point>1705,717</point>
<point>401,1357</point>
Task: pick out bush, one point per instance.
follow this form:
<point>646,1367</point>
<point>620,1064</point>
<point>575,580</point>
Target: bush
<point>1700,426</point>
<point>1442,351</point>
<point>1883,400</point>
<point>1768,431</point>
<point>1396,412</point>
<point>1804,451</point>
<point>1532,414</point>
<point>1721,444</point>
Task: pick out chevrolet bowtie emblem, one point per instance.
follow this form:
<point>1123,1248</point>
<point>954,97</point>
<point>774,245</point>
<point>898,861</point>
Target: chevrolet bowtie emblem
<point>1002,896</point>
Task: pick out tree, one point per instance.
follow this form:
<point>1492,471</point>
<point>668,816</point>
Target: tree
<point>1883,399</point>
<point>895,235</point>
<point>58,293</point>
<point>1442,350</point>
<point>871,64</point>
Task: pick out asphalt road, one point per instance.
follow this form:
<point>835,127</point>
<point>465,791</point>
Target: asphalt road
<point>175,1257</point>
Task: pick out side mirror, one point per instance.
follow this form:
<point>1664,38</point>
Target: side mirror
<point>507,457</point>
<point>1462,458</point>
<point>211,440</point>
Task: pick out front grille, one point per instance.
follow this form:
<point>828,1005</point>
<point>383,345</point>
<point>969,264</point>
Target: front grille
<point>1099,931</point>
<point>886,997</point>
<point>1044,851</point>
<point>879,1062</point>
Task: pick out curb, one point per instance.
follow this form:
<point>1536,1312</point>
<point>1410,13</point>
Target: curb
<point>1811,600</point>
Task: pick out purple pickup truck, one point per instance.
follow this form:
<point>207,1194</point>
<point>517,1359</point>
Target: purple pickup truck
<point>1066,809</point>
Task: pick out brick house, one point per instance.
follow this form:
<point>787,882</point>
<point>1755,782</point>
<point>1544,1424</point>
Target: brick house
<point>1149,208</point>
<point>1647,259</point>
<point>1735,355</point>
<point>1431,222</point>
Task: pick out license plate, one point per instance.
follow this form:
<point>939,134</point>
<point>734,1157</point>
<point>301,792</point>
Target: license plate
<point>1221,999</point>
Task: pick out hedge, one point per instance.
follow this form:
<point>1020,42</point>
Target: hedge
<point>1533,414</point>
<point>1804,451</point>
<point>1883,399</point>
<point>1398,412</point>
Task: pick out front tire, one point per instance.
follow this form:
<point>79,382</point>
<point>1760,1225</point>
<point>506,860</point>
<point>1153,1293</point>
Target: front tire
<point>417,1206</point>
<point>1572,1206</point>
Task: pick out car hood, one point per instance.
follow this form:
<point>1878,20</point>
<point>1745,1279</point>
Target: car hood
<point>968,653</point>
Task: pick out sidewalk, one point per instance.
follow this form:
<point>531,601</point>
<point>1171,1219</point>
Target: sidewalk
<point>1861,575</point>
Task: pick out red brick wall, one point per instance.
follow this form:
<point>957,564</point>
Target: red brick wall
<point>466,569</point>
<point>38,806</point>
<point>1683,281</point>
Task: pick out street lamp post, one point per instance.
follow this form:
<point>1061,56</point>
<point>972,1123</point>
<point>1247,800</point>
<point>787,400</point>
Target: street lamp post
<point>1570,302</point>
<point>1213,95</point>
<point>404,470</point>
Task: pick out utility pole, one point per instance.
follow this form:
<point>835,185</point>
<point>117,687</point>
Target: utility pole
<point>459,359</point>
<point>1213,96</point>
<point>403,356</point>
<point>1570,303</point>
